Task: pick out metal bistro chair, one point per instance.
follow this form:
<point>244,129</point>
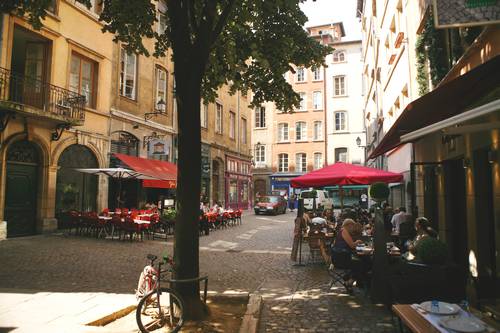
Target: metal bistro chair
<point>314,240</point>
<point>340,268</point>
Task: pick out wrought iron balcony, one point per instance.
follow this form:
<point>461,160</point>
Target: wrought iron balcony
<point>31,97</point>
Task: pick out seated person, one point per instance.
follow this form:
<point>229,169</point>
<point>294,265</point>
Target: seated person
<point>423,229</point>
<point>406,231</point>
<point>328,216</point>
<point>317,224</point>
<point>368,229</point>
<point>318,220</point>
<point>345,243</point>
<point>307,217</point>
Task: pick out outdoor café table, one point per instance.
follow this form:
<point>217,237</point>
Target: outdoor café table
<point>423,322</point>
<point>412,319</point>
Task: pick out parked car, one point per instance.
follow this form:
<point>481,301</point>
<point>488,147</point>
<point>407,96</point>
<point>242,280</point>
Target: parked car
<point>270,204</point>
<point>323,199</point>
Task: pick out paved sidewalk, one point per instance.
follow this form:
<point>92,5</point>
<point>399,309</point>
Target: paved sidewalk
<point>32,311</point>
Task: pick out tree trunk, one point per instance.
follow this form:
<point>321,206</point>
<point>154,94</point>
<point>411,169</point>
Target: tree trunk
<point>186,243</point>
<point>379,289</point>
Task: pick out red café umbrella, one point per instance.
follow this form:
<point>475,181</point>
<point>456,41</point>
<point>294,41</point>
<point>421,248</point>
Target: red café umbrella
<point>345,174</point>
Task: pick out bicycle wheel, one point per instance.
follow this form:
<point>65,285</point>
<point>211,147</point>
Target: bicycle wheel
<point>160,310</point>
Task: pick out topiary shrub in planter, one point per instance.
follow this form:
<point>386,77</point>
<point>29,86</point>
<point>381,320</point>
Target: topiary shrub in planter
<point>379,191</point>
<point>431,251</point>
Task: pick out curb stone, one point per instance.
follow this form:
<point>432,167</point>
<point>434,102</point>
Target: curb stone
<point>251,318</point>
<point>113,316</point>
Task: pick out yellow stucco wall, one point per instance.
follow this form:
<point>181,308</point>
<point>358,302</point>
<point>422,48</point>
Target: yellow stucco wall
<point>73,29</point>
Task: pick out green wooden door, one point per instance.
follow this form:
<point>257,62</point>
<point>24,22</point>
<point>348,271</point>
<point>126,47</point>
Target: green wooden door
<point>21,189</point>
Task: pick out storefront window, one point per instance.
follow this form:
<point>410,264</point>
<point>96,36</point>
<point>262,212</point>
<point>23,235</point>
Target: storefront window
<point>233,191</point>
<point>76,190</point>
<point>244,192</point>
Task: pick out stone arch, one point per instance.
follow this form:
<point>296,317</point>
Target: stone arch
<point>116,136</point>
<point>42,145</point>
<point>67,142</point>
<point>76,190</point>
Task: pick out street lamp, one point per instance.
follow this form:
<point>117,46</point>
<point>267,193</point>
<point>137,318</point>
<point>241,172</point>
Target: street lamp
<point>358,142</point>
<point>160,110</point>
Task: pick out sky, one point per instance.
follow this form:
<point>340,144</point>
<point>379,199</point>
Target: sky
<point>330,11</point>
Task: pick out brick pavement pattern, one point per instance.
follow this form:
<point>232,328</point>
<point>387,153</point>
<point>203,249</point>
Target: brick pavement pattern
<point>253,257</point>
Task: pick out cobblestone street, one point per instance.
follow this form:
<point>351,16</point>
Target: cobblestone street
<point>252,257</point>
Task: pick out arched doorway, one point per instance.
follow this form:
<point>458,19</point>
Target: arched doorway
<point>123,143</point>
<point>76,190</point>
<point>21,188</point>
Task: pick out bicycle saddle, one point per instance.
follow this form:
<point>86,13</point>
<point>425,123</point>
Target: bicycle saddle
<point>152,257</point>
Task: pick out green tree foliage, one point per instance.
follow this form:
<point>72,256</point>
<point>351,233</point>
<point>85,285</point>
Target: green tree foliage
<point>431,46</point>
<point>437,50</point>
<point>247,44</point>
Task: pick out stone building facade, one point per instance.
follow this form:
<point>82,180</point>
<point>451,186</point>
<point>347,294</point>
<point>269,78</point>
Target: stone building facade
<point>72,98</point>
<point>226,156</point>
<point>287,145</point>
<point>54,106</point>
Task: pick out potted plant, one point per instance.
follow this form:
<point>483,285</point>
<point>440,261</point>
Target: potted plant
<point>379,192</point>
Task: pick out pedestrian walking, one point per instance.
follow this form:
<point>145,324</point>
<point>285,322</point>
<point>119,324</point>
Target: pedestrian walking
<point>291,203</point>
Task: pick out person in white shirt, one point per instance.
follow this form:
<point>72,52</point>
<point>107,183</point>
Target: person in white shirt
<point>397,219</point>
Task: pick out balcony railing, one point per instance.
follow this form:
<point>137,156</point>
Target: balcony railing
<point>19,93</point>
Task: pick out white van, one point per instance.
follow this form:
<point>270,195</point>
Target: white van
<point>323,200</point>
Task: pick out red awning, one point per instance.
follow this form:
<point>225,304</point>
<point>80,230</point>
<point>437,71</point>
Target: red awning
<point>166,172</point>
<point>448,100</point>
<point>345,174</point>
<point>159,183</point>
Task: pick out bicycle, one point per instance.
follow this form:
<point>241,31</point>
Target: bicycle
<point>159,307</point>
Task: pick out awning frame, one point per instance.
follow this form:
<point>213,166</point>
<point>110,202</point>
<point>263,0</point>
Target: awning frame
<point>452,121</point>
